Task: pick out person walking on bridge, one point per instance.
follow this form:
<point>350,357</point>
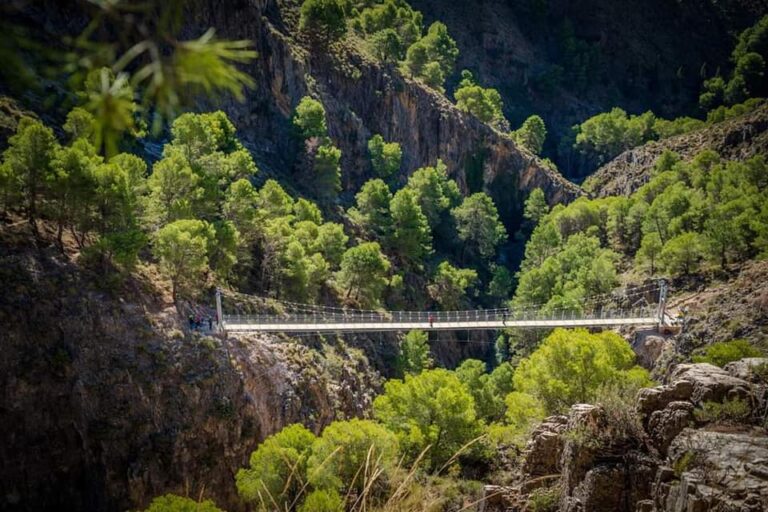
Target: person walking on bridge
<point>431,319</point>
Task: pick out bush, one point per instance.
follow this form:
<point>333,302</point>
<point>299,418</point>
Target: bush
<point>736,410</point>
<point>323,18</point>
<point>323,501</point>
<point>277,468</point>
<point>173,503</point>
<point>544,499</point>
<point>722,353</point>
<point>309,118</point>
<point>349,455</point>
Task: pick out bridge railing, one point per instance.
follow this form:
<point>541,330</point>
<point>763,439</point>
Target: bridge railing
<point>438,317</point>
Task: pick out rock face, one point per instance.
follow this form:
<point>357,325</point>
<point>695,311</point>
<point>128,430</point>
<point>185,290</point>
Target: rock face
<point>664,464</point>
<point>716,471</point>
<point>106,403</point>
<point>736,139</point>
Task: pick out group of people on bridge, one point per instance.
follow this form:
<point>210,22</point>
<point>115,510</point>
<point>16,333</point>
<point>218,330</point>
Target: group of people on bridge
<point>198,323</point>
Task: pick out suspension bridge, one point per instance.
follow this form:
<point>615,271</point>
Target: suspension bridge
<point>636,306</point>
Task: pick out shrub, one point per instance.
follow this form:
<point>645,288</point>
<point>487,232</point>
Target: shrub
<point>276,468</point>
<point>309,118</point>
<point>544,499</point>
<point>735,410</point>
<point>323,501</point>
<point>173,503</point>
<point>722,353</point>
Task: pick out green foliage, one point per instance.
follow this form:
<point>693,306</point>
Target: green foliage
<point>536,206</point>
<point>649,252</point>
<point>434,191</point>
<point>309,118</point>
<point>682,254</point>
<point>414,352</point>
<point>605,135</point>
<point>579,269</point>
<point>327,170</point>
<point>363,273</point>
<point>485,104</point>
<point>736,410</point>
<point>372,210</point>
<point>432,57</point>
<point>430,409</point>
<point>544,499</point>
<point>724,352</point>
<point>174,503</point>
<point>489,400</point>
<point>449,285</point>
<point>411,237</point>
<point>748,79</point>
<point>478,224</point>
<point>323,19</point>
<point>571,366</point>
<point>182,248</point>
<point>322,500</point>
<point>531,134</point>
<point>523,410</point>
<point>27,164</point>
<point>276,469</point>
<point>385,156</point>
<point>348,453</point>
<point>501,282</point>
<point>723,113</point>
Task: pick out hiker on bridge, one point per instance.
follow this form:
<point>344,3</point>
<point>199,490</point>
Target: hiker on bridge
<point>431,319</point>
<point>504,316</point>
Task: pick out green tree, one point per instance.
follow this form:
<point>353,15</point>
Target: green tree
<point>478,224</point>
<point>348,452</point>
<point>328,170</point>
<point>489,404</point>
<point>309,118</point>
<point>531,134</point>
<point>27,165</point>
<point>411,237</point>
<point>273,201</point>
<point>570,366</point>
<point>331,242</point>
<point>307,210</point>
<point>485,104</point>
<point>385,156</point>
<point>433,56</point>
<point>648,254</point>
<point>182,248</point>
<point>449,285</point>
<point>175,192</point>
<point>728,230</point>
<point>276,469</point>
<point>605,135</point>
<point>363,273</point>
<point>322,500</point>
<point>240,208</point>
<point>682,254</point>
<point>523,410</point>
<point>387,45</point>
<point>323,19</point>
<point>430,409</point>
<point>536,206</point>
<point>435,192</point>
<point>415,352</point>
<point>372,207</point>
<point>501,282</point>
<point>173,503</point>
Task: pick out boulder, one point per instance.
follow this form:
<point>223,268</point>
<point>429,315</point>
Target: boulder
<point>542,454</point>
<point>745,368</point>
<point>664,424</point>
<point>710,383</point>
<point>715,471</point>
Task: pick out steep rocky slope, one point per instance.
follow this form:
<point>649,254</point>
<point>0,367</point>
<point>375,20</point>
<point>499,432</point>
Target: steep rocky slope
<point>673,460</point>
<point>106,401</point>
<point>636,55</point>
<point>736,139</point>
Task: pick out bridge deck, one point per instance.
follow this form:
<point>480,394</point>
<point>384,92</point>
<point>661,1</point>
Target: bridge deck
<point>436,326</point>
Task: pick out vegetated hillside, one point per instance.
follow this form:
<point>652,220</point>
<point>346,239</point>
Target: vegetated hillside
<point>736,139</point>
<point>567,61</point>
<point>108,400</point>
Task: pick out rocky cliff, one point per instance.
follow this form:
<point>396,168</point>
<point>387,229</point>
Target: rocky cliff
<point>736,139</point>
<point>600,458</point>
<point>567,61</point>
<point>107,401</point>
